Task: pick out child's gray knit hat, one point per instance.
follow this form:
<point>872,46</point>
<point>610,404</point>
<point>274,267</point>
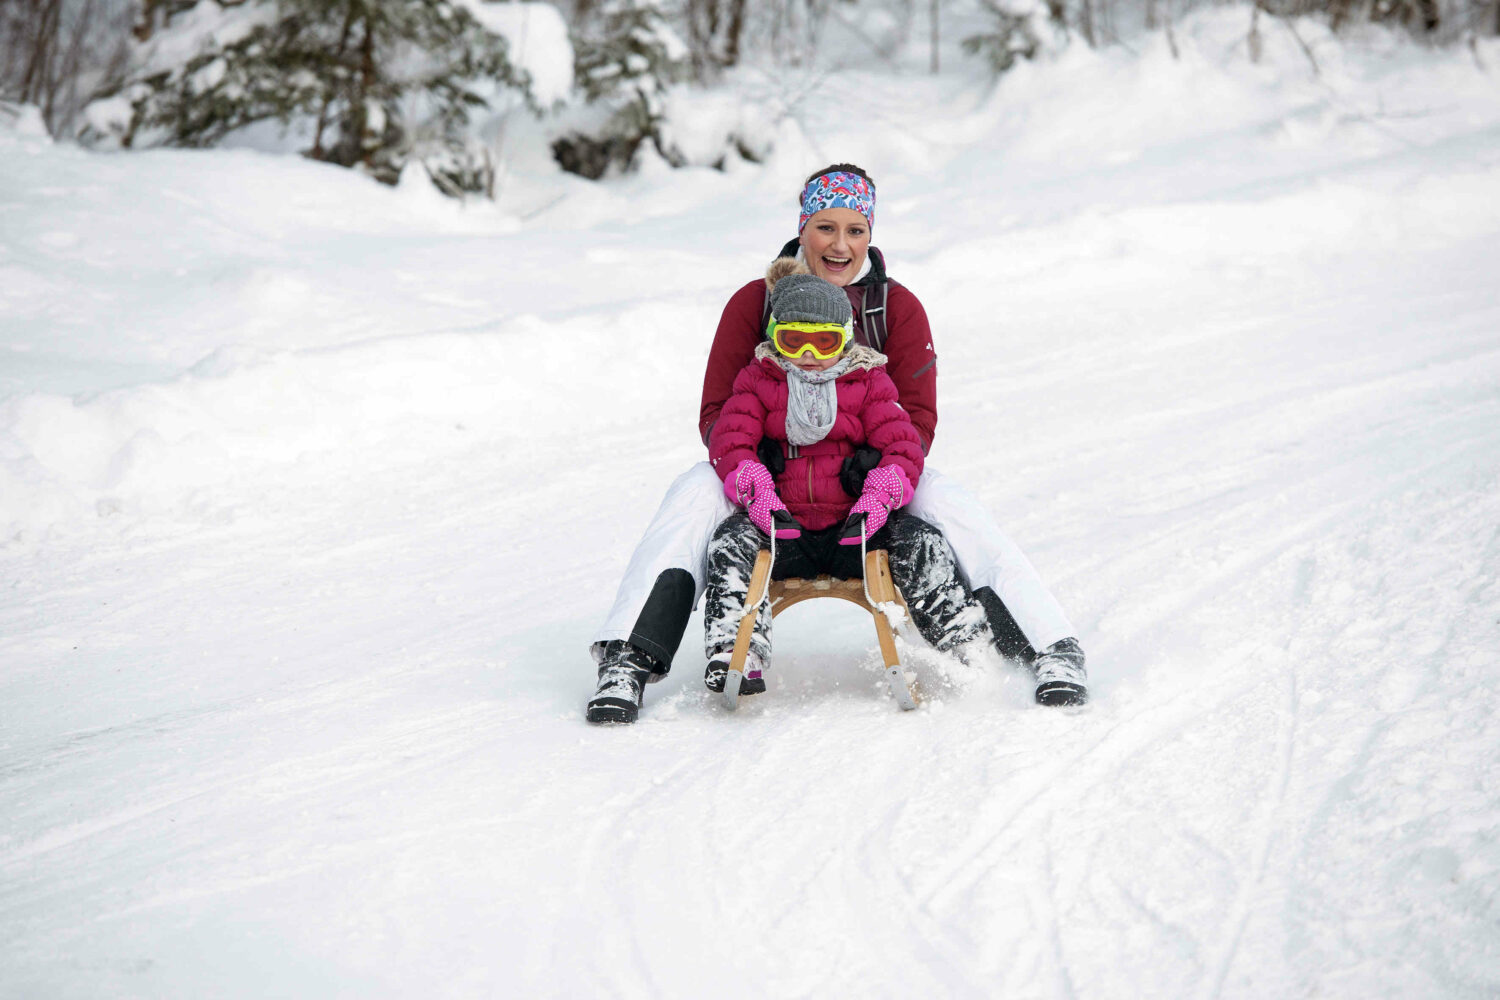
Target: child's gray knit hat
<point>800,297</point>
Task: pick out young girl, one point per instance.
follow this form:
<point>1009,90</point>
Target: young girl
<point>785,446</point>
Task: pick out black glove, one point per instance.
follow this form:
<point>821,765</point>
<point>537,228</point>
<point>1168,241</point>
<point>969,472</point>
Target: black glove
<point>772,456</point>
<point>854,530</point>
<point>856,467</point>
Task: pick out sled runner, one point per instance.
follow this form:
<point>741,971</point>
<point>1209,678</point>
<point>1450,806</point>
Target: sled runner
<point>875,590</point>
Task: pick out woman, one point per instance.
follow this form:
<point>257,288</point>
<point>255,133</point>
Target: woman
<point>666,573</point>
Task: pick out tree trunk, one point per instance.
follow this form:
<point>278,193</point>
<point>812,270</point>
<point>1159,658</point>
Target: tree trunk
<point>1338,12</point>
<point>366,85</point>
<point>735,29</point>
<point>935,5</point>
<point>318,152</point>
<point>146,26</point>
<point>43,46</point>
<point>66,84</point>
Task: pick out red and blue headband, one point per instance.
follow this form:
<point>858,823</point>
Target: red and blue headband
<point>837,190</point>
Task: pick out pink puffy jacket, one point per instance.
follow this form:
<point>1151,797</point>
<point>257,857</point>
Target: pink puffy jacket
<point>868,414</point>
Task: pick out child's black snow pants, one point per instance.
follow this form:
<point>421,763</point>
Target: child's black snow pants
<point>922,566</point>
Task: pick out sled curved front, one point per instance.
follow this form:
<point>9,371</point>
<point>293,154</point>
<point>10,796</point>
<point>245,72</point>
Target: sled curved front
<point>787,593</point>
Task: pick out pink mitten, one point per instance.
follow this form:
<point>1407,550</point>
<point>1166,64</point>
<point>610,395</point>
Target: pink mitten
<point>752,487</point>
<point>886,488</point>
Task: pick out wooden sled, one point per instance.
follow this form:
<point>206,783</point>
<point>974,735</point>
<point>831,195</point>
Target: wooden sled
<point>785,593</point>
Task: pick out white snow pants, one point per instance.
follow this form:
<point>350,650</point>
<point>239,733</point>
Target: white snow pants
<point>695,504</point>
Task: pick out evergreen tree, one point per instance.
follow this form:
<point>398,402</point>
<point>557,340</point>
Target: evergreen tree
<point>377,83</point>
<point>1013,35</point>
<point>624,65</point>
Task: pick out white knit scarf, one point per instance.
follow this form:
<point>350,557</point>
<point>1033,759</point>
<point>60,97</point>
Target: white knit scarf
<point>812,398</point>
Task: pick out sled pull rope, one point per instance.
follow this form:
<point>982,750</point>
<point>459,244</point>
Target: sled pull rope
<point>764,604</point>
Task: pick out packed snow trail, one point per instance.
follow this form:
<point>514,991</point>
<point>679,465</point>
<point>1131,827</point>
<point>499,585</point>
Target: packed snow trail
<point>303,547</point>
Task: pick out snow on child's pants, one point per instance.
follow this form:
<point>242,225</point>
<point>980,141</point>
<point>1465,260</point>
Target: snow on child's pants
<point>922,567</point>
<point>990,559</point>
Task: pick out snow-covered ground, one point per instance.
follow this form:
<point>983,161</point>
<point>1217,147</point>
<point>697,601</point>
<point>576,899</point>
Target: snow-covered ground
<point>311,497</point>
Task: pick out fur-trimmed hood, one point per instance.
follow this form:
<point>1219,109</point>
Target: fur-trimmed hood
<point>783,266</point>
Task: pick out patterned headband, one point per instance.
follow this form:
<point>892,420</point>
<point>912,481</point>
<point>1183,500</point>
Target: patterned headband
<point>837,190</point>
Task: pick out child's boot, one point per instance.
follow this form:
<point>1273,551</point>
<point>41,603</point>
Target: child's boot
<point>1060,675</point>
<point>623,673</point>
<point>717,672</point>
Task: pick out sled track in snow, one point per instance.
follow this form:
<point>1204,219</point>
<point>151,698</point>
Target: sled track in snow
<point>1071,779</point>
<point>1273,799</point>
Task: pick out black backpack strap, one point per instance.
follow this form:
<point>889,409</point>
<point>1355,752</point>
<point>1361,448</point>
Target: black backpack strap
<point>872,315</point>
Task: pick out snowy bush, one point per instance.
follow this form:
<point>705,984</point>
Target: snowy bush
<point>706,127</point>
<point>624,66</point>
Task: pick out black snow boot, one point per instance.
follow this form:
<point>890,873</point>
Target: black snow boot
<point>717,674</point>
<point>623,673</point>
<point>1060,676</point>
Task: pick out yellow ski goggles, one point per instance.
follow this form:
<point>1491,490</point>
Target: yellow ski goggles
<point>825,340</point>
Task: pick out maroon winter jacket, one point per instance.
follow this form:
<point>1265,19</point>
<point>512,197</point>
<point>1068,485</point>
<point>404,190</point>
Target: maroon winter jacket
<point>869,413</point>
<point>911,361</point>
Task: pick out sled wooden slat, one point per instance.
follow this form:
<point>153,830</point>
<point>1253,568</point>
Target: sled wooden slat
<point>786,593</point>
<point>760,576</point>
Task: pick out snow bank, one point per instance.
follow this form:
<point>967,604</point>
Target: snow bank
<point>244,415</point>
<point>23,121</point>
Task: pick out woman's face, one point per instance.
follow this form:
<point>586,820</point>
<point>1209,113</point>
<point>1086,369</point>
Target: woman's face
<point>835,242</point>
